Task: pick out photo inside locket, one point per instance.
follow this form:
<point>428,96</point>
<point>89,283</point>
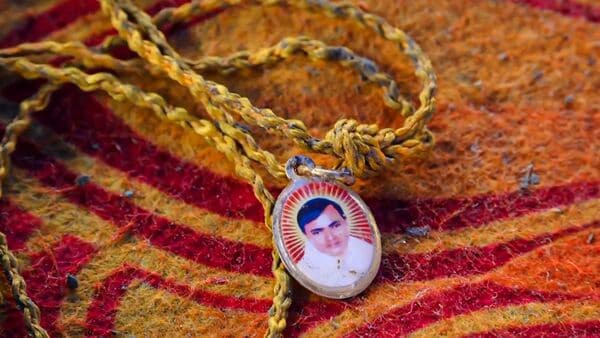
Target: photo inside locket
<point>335,253</point>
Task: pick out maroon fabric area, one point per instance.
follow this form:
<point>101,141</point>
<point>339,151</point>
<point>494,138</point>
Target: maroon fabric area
<point>46,282</point>
<point>456,213</point>
<point>161,232</point>
<point>464,261</point>
<point>47,272</point>
<point>419,267</point>
<point>183,241</point>
<point>459,300</point>
<point>124,52</point>
<point>38,26</point>
<point>94,129</point>
<point>104,306</point>
<point>90,126</point>
<point>16,224</point>
<point>13,324</point>
<point>236,256</point>
<point>304,315</point>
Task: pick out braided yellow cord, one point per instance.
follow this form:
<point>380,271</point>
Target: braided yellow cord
<point>172,15</point>
<point>224,143</point>
<point>10,264</point>
<point>30,311</point>
<point>364,149</point>
<point>286,47</point>
<point>87,57</point>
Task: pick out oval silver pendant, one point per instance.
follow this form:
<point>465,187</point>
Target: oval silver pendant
<point>326,237</point>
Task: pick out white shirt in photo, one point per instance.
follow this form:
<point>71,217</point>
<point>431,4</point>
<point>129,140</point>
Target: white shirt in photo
<point>335,271</point>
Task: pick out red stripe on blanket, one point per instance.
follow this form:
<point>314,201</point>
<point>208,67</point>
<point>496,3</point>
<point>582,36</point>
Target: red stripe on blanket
<point>558,330</point>
<point>460,212</point>
<point>16,224</point>
<point>460,300</point>
<point>122,212</point>
<point>392,215</point>
<point>103,308</point>
<point>62,14</point>
<point>96,199</point>
<point>152,10</point>
<point>56,17</point>
<point>93,128</point>
<point>214,251</point>
<point>179,239</point>
<point>303,315</point>
<point>12,319</point>
<point>46,280</point>
<point>464,261</point>
<point>451,263</point>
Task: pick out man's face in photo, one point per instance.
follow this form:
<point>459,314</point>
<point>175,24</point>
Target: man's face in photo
<point>329,232</point>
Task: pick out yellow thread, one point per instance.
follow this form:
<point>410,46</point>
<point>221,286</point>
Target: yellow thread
<point>10,265</point>
<point>364,149</point>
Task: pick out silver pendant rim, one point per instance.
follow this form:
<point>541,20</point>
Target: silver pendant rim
<point>330,292</point>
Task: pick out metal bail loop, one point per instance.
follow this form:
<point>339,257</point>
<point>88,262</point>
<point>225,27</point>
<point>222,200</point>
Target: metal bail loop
<point>292,165</point>
<point>295,163</point>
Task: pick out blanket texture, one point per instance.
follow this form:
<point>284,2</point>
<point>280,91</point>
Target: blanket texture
<point>126,225</point>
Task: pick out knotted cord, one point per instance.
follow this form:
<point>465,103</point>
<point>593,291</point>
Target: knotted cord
<point>363,149</point>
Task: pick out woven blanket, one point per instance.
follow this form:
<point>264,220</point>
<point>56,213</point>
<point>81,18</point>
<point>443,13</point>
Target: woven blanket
<point>126,225</point>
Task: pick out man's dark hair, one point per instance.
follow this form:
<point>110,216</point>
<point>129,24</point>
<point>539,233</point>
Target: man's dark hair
<point>312,209</point>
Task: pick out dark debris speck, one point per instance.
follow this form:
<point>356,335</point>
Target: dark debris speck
<point>72,282</point>
<point>569,100</point>
<point>529,178</point>
<point>82,180</point>
<point>418,231</point>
